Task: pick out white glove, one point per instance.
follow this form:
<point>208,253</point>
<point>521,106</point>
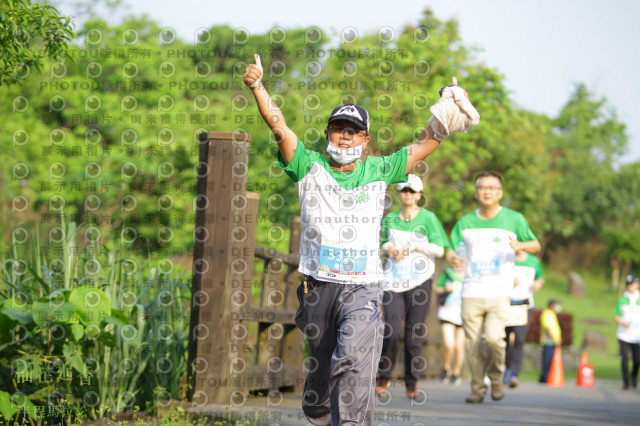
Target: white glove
<point>452,113</point>
<point>428,249</point>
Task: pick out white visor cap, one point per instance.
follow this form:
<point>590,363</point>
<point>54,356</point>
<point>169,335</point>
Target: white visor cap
<point>413,182</point>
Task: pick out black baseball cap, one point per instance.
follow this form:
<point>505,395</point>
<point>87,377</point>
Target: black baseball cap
<point>632,279</point>
<point>352,113</point>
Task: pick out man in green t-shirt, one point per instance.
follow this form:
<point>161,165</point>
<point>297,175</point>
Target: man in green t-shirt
<point>342,203</point>
<point>491,235</point>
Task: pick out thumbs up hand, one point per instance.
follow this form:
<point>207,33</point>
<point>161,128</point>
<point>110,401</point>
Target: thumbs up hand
<point>253,73</point>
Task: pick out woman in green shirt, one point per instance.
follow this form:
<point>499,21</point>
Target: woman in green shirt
<point>412,237</point>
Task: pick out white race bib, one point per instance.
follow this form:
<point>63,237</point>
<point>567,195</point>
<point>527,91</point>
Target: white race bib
<point>518,315</point>
<point>339,261</point>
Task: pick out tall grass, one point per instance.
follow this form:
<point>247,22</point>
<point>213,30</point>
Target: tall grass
<point>86,331</point>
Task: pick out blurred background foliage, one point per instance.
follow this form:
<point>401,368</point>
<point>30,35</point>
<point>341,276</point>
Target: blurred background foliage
<point>100,147</point>
<point>108,136</point>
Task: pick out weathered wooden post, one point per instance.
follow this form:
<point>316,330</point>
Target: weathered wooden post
<point>223,259</point>
<point>293,341</point>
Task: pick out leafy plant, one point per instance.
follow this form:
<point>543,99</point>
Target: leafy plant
<point>92,342</point>
<point>29,33</point>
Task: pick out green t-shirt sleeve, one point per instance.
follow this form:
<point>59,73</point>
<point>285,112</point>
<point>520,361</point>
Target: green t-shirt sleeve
<point>538,268</point>
<point>437,235</point>
<point>384,230</point>
<point>539,271</point>
<point>443,279</point>
<point>455,237</point>
<point>302,161</point>
<point>618,309</point>
<point>523,231</point>
<point>390,168</point>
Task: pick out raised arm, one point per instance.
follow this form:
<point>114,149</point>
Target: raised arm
<point>421,148</point>
<point>271,114</point>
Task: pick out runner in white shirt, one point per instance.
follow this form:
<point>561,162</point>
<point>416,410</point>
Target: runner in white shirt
<point>450,315</point>
<point>412,237</point>
<point>627,315</point>
<point>342,202</point>
<point>529,279</point>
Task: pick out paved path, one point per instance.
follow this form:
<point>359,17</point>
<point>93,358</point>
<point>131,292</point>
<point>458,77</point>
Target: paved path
<point>443,404</point>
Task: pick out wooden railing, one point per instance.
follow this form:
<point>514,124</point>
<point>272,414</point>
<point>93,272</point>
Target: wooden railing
<point>243,335</point>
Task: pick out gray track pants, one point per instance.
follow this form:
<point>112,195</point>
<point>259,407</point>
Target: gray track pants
<point>343,326</point>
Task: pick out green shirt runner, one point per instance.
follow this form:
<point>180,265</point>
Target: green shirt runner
<point>416,267</point>
<point>527,272</point>
<point>628,309</point>
<point>340,214</point>
<point>490,265</point>
<point>450,311</point>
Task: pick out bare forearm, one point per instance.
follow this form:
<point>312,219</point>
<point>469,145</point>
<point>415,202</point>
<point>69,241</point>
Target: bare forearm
<point>269,111</point>
<point>272,116</point>
<point>532,247</point>
<point>287,140</point>
<point>537,284</point>
<point>421,148</point>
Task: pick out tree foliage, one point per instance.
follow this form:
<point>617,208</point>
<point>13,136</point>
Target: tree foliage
<point>112,133</point>
<point>587,138</point>
<point>29,33</point>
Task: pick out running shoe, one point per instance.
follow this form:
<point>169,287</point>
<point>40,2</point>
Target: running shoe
<point>382,386</point>
<point>444,375</point>
<point>455,380</point>
<point>513,382</point>
<point>412,392</point>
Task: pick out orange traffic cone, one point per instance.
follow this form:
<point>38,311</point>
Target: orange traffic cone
<point>586,377</point>
<point>556,372</point>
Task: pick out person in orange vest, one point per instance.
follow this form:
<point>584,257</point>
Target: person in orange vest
<point>627,315</point>
<point>550,336</point>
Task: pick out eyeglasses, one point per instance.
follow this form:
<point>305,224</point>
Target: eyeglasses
<point>349,131</point>
<point>488,188</point>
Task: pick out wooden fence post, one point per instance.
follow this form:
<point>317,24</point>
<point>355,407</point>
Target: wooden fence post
<point>293,344</point>
<point>221,238</point>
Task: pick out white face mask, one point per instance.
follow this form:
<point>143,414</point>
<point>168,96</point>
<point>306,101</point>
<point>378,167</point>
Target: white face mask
<point>344,155</point>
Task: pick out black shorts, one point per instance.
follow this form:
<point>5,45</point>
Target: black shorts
<point>449,322</point>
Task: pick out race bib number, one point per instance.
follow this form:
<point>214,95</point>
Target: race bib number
<point>339,261</point>
<point>404,271</point>
<point>485,267</point>
<point>518,315</point>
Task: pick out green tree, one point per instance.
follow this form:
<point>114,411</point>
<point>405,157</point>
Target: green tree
<point>621,234</point>
<point>29,33</point>
<point>105,116</point>
<point>587,140</point>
